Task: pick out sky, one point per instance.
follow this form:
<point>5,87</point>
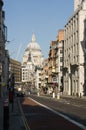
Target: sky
<point>44,18</point>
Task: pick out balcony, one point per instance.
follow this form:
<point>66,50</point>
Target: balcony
<point>65,69</point>
<point>74,65</point>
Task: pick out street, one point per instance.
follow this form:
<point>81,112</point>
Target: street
<point>60,114</point>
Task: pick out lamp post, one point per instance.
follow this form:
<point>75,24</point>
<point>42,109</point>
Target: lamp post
<point>53,79</point>
<point>0,85</point>
<point>46,77</point>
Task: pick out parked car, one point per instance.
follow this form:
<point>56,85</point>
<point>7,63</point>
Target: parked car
<point>20,94</point>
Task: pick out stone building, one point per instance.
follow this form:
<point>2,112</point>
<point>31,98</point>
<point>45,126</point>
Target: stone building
<point>15,68</point>
<point>75,51</point>
<point>4,56</point>
<point>44,75</point>
<point>56,61</point>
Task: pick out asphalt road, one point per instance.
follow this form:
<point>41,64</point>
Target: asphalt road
<point>40,118</point>
<point>74,108</point>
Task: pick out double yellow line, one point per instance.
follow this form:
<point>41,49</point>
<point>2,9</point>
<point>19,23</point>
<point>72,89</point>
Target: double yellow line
<point>23,117</point>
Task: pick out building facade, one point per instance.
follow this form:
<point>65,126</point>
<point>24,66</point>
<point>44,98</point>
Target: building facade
<point>15,68</point>
<point>37,79</point>
<point>77,3</point>
<point>44,75</point>
<point>59,59</point>
<point>75,51</point>
<point>4,56</point>
<point>56,61</point>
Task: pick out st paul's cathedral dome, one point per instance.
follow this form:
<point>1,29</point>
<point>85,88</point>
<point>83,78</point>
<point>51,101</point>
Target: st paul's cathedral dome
<point>33,53</point>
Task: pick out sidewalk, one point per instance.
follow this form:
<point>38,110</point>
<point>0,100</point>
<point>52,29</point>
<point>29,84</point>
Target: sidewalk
<point>15,116</point>
<point>74,97</point>
<point>64,96</point>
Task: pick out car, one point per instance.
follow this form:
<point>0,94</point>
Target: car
<point>20,94</point>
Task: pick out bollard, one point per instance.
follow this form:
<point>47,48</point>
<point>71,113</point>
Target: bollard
<point>38,93</point>
<point>58,96</point>
<point>29,93</point>
<point>53,95</point>
<point>6,115</point>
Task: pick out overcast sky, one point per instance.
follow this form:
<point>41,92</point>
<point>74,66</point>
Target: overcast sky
<point>43,17</point>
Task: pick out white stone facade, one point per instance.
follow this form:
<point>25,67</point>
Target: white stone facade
<point>74,56</point>
<point>77,3</point>
<point>59,62</point>
<point>38,79</point>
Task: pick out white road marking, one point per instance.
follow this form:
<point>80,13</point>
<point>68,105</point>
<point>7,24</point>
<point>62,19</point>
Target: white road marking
<point>66,102</point>
<point>65,117</point>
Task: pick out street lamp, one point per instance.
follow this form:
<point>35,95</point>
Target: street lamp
<point>46,78</point>
<point>53,79</point>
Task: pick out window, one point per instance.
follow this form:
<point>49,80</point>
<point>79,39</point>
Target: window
<point>60,68</point>
<point>60,51</point>
<point>85,31</point>
<point>61,59</point>
<point>39,74</point>
<point>39,79</point>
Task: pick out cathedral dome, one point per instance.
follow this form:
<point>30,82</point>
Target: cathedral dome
<point>34,51</point>
<point>33,45</point>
